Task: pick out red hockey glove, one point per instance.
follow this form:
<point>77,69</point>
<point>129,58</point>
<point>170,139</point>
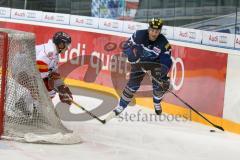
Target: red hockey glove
<point>65,95</point>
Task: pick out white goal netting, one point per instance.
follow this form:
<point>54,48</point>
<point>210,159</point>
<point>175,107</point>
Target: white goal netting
<point>29,114</point>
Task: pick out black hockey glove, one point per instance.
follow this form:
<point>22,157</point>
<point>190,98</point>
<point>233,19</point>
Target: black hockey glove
<point>166,84</point>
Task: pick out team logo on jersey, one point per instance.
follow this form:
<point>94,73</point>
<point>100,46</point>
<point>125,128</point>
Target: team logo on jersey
<point>157,50</point>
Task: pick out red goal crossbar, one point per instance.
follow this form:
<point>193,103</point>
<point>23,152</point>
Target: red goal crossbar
<point>3,72</point>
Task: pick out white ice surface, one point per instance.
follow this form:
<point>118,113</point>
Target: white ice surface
<point>137,139</point>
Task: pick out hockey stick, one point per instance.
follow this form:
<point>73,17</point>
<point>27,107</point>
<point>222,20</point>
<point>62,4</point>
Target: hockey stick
<point>184,102</point>
<point>81,107</point>
<point>214,125</point>
<point>88,112</point>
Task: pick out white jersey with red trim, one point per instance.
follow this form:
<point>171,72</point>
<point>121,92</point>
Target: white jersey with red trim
<point>47,58</point>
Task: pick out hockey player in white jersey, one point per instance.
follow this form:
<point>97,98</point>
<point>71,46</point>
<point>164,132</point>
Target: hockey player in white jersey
<point>47,58</point>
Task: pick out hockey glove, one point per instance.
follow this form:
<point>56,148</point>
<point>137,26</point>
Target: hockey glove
<point>130,51</point>
<point>65,95</point>
<point>54,76</point>
<point>50,80</point>
<point>166,84</point>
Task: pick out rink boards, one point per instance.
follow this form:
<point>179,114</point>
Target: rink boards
<point>204,76</point>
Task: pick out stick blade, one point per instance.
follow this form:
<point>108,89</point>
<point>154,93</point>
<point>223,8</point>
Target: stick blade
<point>103,121</point>
<point>219,127</point>
<point>110,116</point>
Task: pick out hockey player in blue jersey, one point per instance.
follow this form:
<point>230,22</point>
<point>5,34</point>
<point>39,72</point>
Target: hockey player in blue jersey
<point>146,50</point>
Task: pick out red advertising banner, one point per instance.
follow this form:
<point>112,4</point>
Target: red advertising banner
<point>200,79</point>
<point>198,76</point>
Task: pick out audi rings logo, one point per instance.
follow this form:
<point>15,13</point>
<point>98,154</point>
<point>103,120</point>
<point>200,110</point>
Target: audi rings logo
<point>110,46</point>
<point>177,68</point>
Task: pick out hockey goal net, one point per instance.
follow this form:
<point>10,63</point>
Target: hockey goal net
<point>26,112</point>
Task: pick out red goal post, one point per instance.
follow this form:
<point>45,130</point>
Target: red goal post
<point>3,71</point>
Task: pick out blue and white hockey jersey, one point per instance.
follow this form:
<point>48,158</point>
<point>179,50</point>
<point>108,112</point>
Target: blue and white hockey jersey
<point>146,50</point>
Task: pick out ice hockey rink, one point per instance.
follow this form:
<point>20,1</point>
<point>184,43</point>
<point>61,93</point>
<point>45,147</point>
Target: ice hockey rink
<point>125,139</point>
